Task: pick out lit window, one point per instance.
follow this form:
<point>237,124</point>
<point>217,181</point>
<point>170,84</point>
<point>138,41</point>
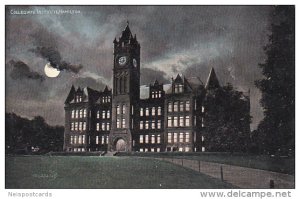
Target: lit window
<point>175,121</point>
<point>80,113</point>
<point>75,139</point>
<point>152,149</point>
<point>107,139</point>
<point>98,114</point>
<point>187,105</point>
<point>76,114</point>
<point>141,139</point>
<point>159,94</point>
<point>75,149</point>
<point>158,124</point>
<point>146,149</point>
<point>72,126</point>
<point>203,109</point>
<point>169,137</point>
<point>187,149</point>
<point>175,138</point>
<point>72,139</point>
<point>175,106</point>
<point>153,124</point>
<point>153,111</point>
<point>147,111</point>
<point>84,126</point>
<point>103,126</point>
<point>82,149</point>
<point>102,139</point>
<point>169,121</point>
<point>76,126</point>
<point>108,126</point>
<point>80,140</point>
<point>202,122</point>
<point>152,139</point>
<point>80,126</point>
<point>103,114</point>
<point>73,114</point>
<point>180,149</point>
<point>158,139</point>
<point>158,149</point>
<point>181,121</point>
<point>187,120</point>
<point>84,112</point>
<point>146,138</point>
<point>118,109</point>
<point>152,95</point>
<point>147,125</point>
<point>187,137</point>
<point>141,150</point>
<point>98,127</point>
<point>181,137</point>
<point>97,139</point>
<point>141,112</point>
<point>123,122</point>
<point>170,107</point>
<point>118,123</point>
<point>159,110</point>
<point>156,94</point>
<point>180,88</point>
<point>123,109</point>
<point>83,139</point>
<point>181,106</point>
<point>141,124</point>
<point>108,114</point>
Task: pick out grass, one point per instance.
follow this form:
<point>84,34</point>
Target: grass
<point>264,162</point>
<point>34,172</point>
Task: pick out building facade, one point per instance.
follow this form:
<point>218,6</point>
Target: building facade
<point>169,118</point>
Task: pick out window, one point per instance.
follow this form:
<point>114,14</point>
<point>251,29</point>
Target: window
<point>181,137</point>
<point>80,126</point>
<point>108,126</point>
<point>169,137</point>
<point>98,114</point>
<point>76,114</point>
<point>103,114</point>
<point>146,149</point>
<point>187,120</point>
<point>175,138</point>
<point>152,149</point>
<point>76,126</point>
<point>203,109</point>
<point>80,113</point>
<point>153,139</point>
<point>202,122</point>
<point>118,109</point>
<point>103,126</point>
<point>84,126</point>
<point>153,111</point>
<point>169,121</point>
<point>79,139</point>
<point>141,112</point>
<point>84,112</point>
<point>82,149</point>
<point>175,121</point>
<point>102,140</point>
<point>97,139</point>
<point>180,149</point>
<point>158,139</point>
<point>75,139</point>
<point>159,110</point>
<point>141,139</point>
<point>187,137</point>
<point>147,125</point>
<point>159,94</point>
<point>72,126</point>
<point>180,88</point>
<point>124,109</point>
<point>141,150</point>
<point>146,138</point>
<point>141,124</point>
<point>83,139</point>
<point>107,139</point>
<point>181,106</point>
<point>158,149</point>
<point>147,111</point>
<point>158,124</point>
<point>175,106</point>
<point>97,126</point>
<point>170,107</point>
<point>156,94</point>
<point>123,122</point>
<point>108,114</point>
<point>73,114</point>
<point>118,123</point>
<point>187,105</point>
<point>181,121</point>
<point>187,149</point>
<point>153,124</point>
<point>72,139</point>
<point>75,149</point>
<point>152,95</point>
<point>203,149</point>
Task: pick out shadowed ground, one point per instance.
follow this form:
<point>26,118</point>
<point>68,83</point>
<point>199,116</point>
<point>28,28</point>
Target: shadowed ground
<point>102,172</point>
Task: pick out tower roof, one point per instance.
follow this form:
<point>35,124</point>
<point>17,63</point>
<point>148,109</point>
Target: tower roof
<point>126,33</point>
<point>212,80</point>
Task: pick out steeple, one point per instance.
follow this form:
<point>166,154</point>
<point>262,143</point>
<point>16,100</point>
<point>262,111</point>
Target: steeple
<point>212,80</point>
<point>126,33</point>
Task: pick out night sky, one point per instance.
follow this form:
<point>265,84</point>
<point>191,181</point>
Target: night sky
<point>188,40</point>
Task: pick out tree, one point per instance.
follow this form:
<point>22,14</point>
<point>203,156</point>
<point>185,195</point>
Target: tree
<point>227,120</point>
<point>277,129</point>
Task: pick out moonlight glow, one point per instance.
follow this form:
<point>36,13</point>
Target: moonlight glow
<point>50,71</point>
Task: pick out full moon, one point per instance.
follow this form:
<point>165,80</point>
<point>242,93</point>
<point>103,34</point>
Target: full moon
<point>50,71</point>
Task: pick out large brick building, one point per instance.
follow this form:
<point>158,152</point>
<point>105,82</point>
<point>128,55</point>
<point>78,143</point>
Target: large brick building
<point>167,118</point>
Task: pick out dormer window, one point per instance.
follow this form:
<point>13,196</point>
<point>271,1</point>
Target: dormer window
<point>178,88</point>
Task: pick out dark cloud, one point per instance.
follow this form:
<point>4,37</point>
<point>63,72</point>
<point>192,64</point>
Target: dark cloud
<point>149,76</point>
<point>20,70</point>
<point>53,56</point>
<point>88,82</point>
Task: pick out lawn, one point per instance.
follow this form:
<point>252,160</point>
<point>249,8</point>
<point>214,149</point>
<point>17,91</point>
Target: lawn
<point>48,172</point>
<point>264,162</point>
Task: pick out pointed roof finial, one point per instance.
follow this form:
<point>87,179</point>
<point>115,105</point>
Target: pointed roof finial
<point>127,23</point>
<point>212,80</point>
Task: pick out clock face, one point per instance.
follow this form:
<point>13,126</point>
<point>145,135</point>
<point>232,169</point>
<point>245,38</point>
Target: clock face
<point>134,63</point>
<point>122,60</point>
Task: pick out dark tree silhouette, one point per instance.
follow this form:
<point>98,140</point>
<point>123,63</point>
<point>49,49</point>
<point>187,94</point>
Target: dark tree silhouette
<point>276,132</point>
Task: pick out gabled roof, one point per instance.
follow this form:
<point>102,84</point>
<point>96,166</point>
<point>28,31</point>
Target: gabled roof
<point>70,95</point>
<point>212,80</point>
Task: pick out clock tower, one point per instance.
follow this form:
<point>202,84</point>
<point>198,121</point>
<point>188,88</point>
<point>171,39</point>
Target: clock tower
<point>126,91</point>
